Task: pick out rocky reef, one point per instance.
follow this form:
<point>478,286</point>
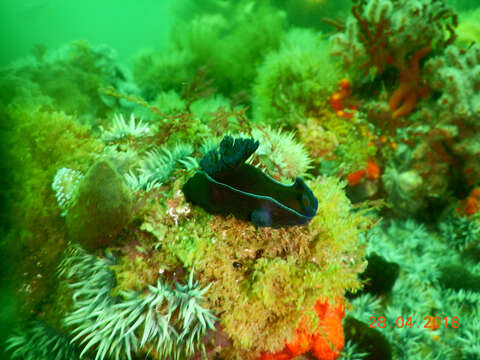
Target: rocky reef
<point>255,189</point>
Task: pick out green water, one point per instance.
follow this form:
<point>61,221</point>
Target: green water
<point>107,109</point>
<point>126,26</point>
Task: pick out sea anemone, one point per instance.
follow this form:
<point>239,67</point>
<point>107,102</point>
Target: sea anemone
<point>121,129</point>
<point>164,321</point>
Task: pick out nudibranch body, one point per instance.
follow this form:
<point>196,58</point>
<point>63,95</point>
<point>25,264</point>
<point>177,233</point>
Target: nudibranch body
<point>227,185</point>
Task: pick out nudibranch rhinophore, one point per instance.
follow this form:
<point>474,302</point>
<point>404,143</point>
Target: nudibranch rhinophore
<point>227,185</point>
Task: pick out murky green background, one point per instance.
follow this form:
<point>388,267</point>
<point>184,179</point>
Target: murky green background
<point>127,26</point>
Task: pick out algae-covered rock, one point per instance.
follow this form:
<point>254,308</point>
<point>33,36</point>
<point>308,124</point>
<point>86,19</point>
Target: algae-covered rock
<point>101,209</point>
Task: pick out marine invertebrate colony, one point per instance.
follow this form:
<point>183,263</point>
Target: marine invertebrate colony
<point>232,40</point>
<point>239,265</point>
<point>169,323</point>
<point>383,34</point>
<point>410,87</point>
<point>338,99</point>
<point>418,290</point>
<point>294,81</point>
<point>455,74</point>
<point>40,342</point>
<point>159,164</point>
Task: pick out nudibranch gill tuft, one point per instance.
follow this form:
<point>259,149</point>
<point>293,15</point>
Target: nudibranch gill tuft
<point>225,184</point>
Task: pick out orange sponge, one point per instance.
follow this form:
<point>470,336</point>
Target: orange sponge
<point>325,341</point>
<point>328,341</point>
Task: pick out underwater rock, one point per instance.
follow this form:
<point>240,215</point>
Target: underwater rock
<point>227,185</point>
<point>379,276</point>
<point>368,340</point>
<point>363,191</point>
<point>101,208</point>
<point>457,277</point>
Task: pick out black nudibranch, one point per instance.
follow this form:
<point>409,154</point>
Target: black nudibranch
<point>227,185</point>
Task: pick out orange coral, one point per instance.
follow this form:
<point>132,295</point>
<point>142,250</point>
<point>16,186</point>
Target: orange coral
<point>325,341</point>
<point>345,85</point>
<point>355,177</point>
<point>410,88</point>
<point>371,171</point>
<point>337,100</point>
<point>470,206</point>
